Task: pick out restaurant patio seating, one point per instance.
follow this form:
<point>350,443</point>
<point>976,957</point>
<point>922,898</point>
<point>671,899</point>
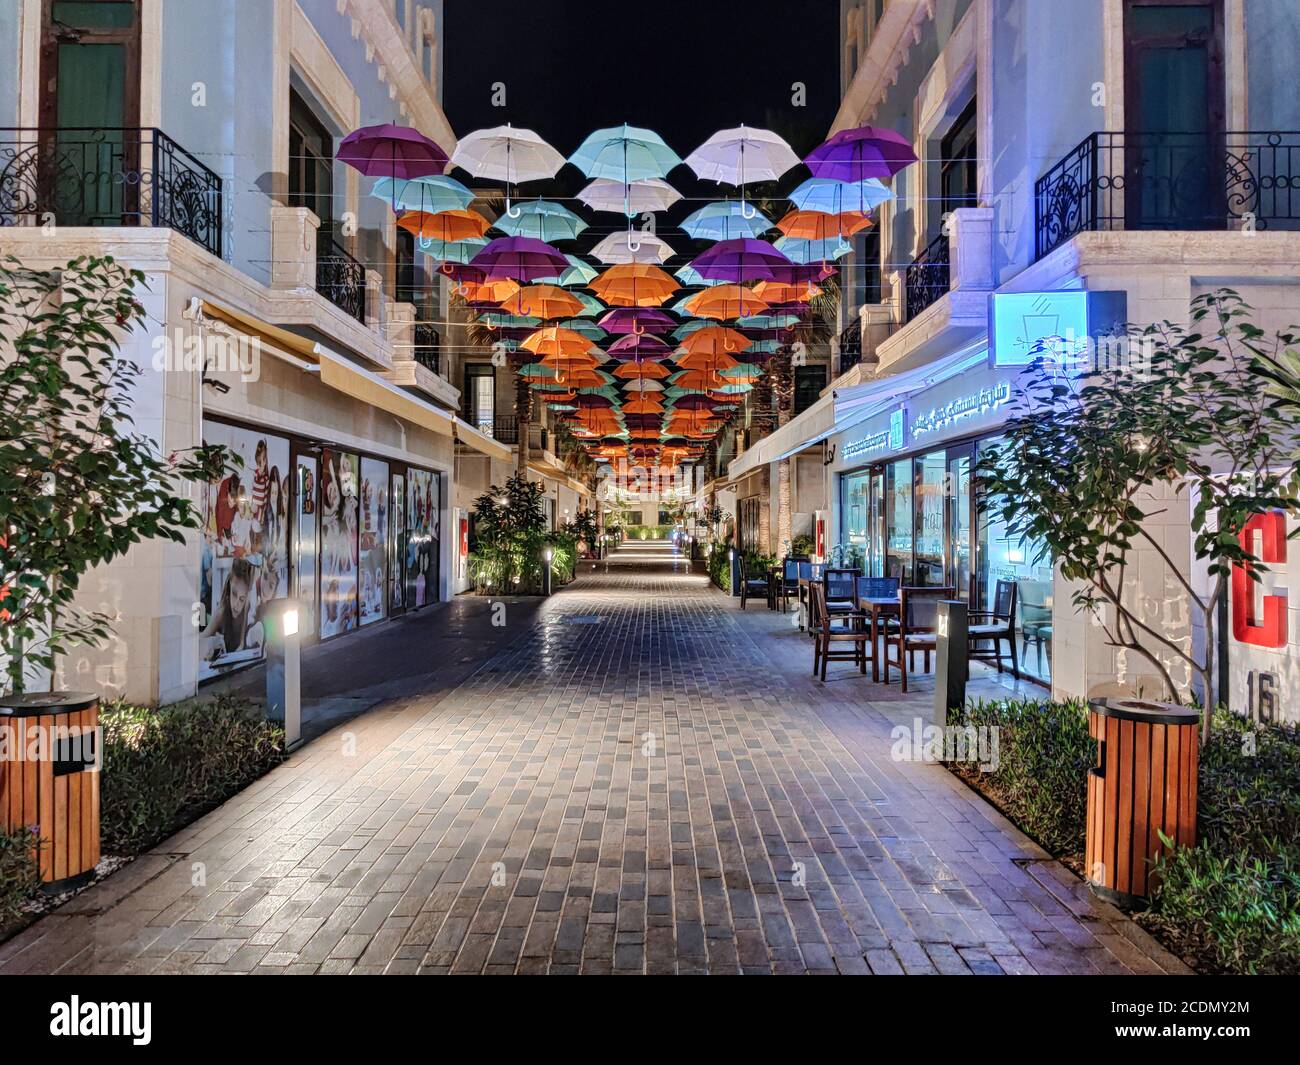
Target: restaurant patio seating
<point>788,582</point>
<point>918,616</point>
<point>877,587</point>
<point>995,627</point>
<point>1036,620</point>
<point>839,586</point>
<point>751,587</point>
<point>828,629</point>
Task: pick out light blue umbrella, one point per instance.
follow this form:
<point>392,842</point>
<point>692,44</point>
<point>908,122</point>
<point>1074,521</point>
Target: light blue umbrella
<point>625,153</point>
<point>591,307</point>
<point>578,273</point>
<point>451,251</point>
<point>767,321</point>
<point>832,197</point>
<point>688,327</point>
<point>542,220</point>
<point>497,320</point>
<point>762,347</point>
<point>726,220</point>
<point>586,327</point>
<point>432,194</point>
<point>798,250</point>
<point>688,275</point>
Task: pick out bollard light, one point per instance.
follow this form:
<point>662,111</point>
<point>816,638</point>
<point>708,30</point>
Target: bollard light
<point>291,622</point>
<point>284,669</point>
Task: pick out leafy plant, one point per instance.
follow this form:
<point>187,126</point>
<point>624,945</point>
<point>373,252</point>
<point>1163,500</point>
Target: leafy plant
<point>512,538</point>
<point>802,544</point>
<point>1076,471</point>
<point>20,876</point>
<point>78,486</point>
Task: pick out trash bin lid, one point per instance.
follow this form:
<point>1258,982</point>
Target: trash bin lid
<point>45,704</point>
<point>1148,710</point>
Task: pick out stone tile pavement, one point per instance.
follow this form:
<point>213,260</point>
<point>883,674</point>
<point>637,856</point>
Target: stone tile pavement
<point>645,780</point>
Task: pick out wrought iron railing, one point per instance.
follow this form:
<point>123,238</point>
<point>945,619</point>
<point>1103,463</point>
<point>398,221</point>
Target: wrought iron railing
<point>851,346</point>
<point>928,277</point>
<point>425,346</point>
<point>1197,181</point>
<point>121,176</point>
<point>340,278</point>
<point>505,428</point>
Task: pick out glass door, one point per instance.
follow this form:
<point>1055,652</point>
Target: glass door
<point>959,520</point>
<point>307,472</point>
<point>876,523</point>
<point>931,482</point>
<point>898,520</point>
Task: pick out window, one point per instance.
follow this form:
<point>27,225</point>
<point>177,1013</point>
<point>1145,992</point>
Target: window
<point>957,161</point>
<point>426,57</point>
<point>311,156</point>
<point>480,396</point>
<point>408,288</point>
<point>808,384</point>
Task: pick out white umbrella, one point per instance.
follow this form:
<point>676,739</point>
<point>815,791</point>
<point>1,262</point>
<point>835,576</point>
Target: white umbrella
<point>650,194</point>
<point>741,155</point>
<point>632,247</point>
<point>642,385</point>
<point>504,153</point>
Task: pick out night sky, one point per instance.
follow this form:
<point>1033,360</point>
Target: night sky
<point>683,68</point>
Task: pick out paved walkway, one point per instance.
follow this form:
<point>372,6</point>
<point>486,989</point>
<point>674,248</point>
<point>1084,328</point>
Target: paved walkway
<point>644,780</point>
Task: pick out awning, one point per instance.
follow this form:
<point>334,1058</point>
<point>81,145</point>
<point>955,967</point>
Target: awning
<point>282,343</point>
<point>337,372</point>
<point>480,441</point>
<point>810,427</point>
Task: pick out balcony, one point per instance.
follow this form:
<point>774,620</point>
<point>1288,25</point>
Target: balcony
<point>129,176</point>
<point>340,278</point>
<point>505,429</point>
<point>425,348</point>
<point>928,277</point>
<point>1170,181</point>
<point>850,346</point>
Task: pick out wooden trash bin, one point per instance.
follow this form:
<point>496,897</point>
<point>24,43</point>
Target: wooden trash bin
<point>49,780</point>
<point>1144,784</point>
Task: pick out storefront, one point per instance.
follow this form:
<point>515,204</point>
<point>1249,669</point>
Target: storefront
<point>909,506</point>
<point>353,537</point>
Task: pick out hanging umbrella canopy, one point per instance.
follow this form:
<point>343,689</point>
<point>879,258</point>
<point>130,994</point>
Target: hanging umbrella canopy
<point>836,197</point>
<point>642,371</point>
<point>726,220</point>
<point>642,386</point>
<point>634,285</point>
<point>711,361</point>
<point>558,342</point>
<point>644,405</point>
<point>430,194</point>
<point>521,258</point>
<point>725,301</point>
<point>391,151</point>
<point>743,371</point>
<point>634,198</point>
<point>808,251</point>
<point>543,301</point>
<point>817,225</point>
<point>864,152</point>
<point>624,153</point>
<point>739,260</point>
<point>767,321</point>
<point>802,273</point>
<point>494,292</point>
<point>585,326</point>
<point>688,275</point>
<point>578,272</point>
<point>542,220</point>
<point>691,325</point>
<point>742,155</point>
<point>497,320</point>
<point>637,320</point>
<point>445,226</point>
<point>640,347</point>
<point>632,247</point>
<point>780,292</point>
<point>504,153</point>
<point>462,252</point>
<point>714,340</point>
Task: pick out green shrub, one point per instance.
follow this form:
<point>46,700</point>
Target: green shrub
<point>19,875</point>
<point>1044,754</point>
<point>720,566</point>
<point>1232,909</point>
<point>1249,785</point>
<point>164,766</point>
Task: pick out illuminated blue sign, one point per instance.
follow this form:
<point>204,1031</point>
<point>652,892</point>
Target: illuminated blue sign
<point>893,438</point>
<point>1029,324</point>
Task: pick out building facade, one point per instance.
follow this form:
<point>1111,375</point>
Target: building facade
<point>1143,160</point>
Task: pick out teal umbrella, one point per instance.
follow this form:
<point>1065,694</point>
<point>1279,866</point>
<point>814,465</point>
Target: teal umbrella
<point>586,327</point>
<point>798,250</point>
<point>726,220</point>
<point>542,220</point>
<point>497,320</point>
<point>767,321</point>
<point>833,197</point>
<point>432,194</point>
<point>690,326</point>
<point>591,307</point>
<point>452,251</point>
<point>625,153</point>
<point>578,273</point>
<point>688,275</point>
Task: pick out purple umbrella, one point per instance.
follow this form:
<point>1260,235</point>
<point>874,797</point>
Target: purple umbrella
<point>637,320</point>
<point>858,154</point>
<point>391,151</point>
<point>521,258</point>
<point>639,346</point>
<point>744,259</point>
<point>799,273</point>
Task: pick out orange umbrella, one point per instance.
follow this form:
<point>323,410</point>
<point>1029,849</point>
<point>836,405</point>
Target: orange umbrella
<point>652,370</point>
<point>543,301</point>
<point>487,291</point>
<point>445,225</point>
<point>644,405</point>
<point>577,378</point>
<point>779,292</point>
<point>556,340</point>
<point>725,301</point>
<point>814,225</point>
<point>714,339</point>
<point>700,378</point>
<point>704,360</point>
<point>634,285</point>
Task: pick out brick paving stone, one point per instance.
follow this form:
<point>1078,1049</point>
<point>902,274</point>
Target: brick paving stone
<point>665,790</point>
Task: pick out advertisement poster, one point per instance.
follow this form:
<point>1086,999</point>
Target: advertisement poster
<point>374,539</point>
<point>339,518</point>
<point>423,501</point>
<point>245,553</point>
<point>305,552</point>
<point>397,545</point>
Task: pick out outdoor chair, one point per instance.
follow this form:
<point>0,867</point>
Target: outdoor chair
<point>750,586</point>
<point>788,584</point>
<point>1036,620</point>
<point>918,615</point>
<point>995,627</point>
<point>840,586</point>
<point>829,630</point>
<point>877,587</point>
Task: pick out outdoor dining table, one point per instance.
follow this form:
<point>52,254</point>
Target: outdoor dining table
<point>879,607</point>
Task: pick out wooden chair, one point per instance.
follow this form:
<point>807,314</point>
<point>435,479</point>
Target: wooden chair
<point>788,584</point>
<point>996,626</point>
<point>840,588</point>
<point>825,632</point>
<point>877,587</point>
<point>751,587</point>
<point>806,570</point>
<point>1036,620</point>
<point>917,615</point>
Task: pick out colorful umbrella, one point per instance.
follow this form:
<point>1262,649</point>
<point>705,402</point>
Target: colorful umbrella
<point>835,197</point>
<point>634,285</point>
<point>504,153</point>
<point>430,194</point>
<point>780,292</point>
<point>638,197</point>
<point>624,153</point>
<point>462,252</point>
<point>865,152</point>
<point>642,370</point>
<point>639,347</point>
<point>817,225</point>
<point>687,275</point>
<point>726,220</point>
<point>391,151</point>
<point>808,251</point>
<point>725,301</point>
<point>714,340</point>
<point>543,301</point>
<point>632,247</point>
<point>636,320</point>
<point>554,341</point>
<point>541,220</point>
<point>577,273</point>
<point>521,258</point>
<point>739,260</point>
<point>487,291</point>
<point>445,226</point>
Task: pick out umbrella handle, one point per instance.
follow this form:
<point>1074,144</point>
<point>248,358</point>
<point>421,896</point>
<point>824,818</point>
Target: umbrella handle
<point>747,210</point>
<point>461,290</point>
<point>445,268</point>
<point>638,330</point>
<point>514,212</point>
